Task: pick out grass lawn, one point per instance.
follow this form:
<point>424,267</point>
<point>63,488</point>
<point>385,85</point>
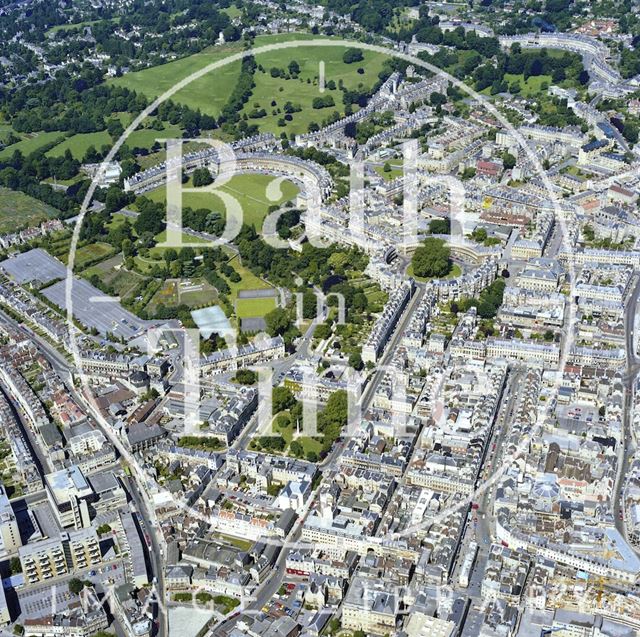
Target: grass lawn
<point>117,219</point>
<point>232,11</point>
<point>18,210</point>
<point>243,545</point>
<point>75,25</point>
<point>141,138</point>
<point>31,143</point>
<point>531,86</point>
<point>248,308</point>
<point>249,280</point>
<point>88,253</point>
<point>210,92</point>
<point>396,170</point>
<point>310,444</point>
<point>250,190</point>
<point>576,172</point>
<point>304,89</point>
<point>114,275</point>
<point>194,293</point>
<point>287,432</point>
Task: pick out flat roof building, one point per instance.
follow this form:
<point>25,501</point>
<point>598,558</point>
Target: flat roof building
<point>68,492</point>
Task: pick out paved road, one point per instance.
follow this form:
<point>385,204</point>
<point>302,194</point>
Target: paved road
<point>267,589</point>
<point>156,556</point>
<point>484,529</point>
<point>61,365</point>
<point>390,349</point>
<point>627,448</point>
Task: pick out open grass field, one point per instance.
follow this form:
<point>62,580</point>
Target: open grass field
<point>232,11</point>
<point>248,308</point>
<point>531,86</point>
<point>210,93</point>
<point>249,280</point>
<point>141,138</point>
<point>91,252</point>
<point>31,143</point>
<point>238,542</point>
<point>75,25</point>
<point>288,434</point>
<point>113,274</point>
<point>396,170</point>
<point>194,293</point>
<point>78,144</point>
<point>302,90</point>
<point>18,210</point>
<point>58,244</point>
<point>117,219</point>
<point>250,190</point>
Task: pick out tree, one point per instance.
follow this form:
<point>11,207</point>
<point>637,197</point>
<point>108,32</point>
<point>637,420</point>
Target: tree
<point>323,102</point>
<point>127,248</point>
<point>115,199</point>
<point>294,68</point>
<point>352,55</point>
<point>437,99</point>
<point>432,259</point>
<point>231,33</point>
<point>334,416</point>
<point>282,399</point>
<point>479,234</point>
<point>272,443</point>
<point>246,377</point>
<point>309,305</point>
<point>387,167</point>
<point>114,128</point>
<point>355,361</point>
<point>202,177</point>
<point>76,585</point>
<point>486,309</point>
<point>170,255</point>
<point>151,217</point>
<point>15,566</point>
<point>508,161</point>
<point>439,226</point>
<point>322,331</point>
<point>277,321</point>
<point>296,449</point>
<point>630,132</point>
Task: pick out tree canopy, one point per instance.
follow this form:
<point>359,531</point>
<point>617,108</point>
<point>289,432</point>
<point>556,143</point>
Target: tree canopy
<point>432,259</point>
